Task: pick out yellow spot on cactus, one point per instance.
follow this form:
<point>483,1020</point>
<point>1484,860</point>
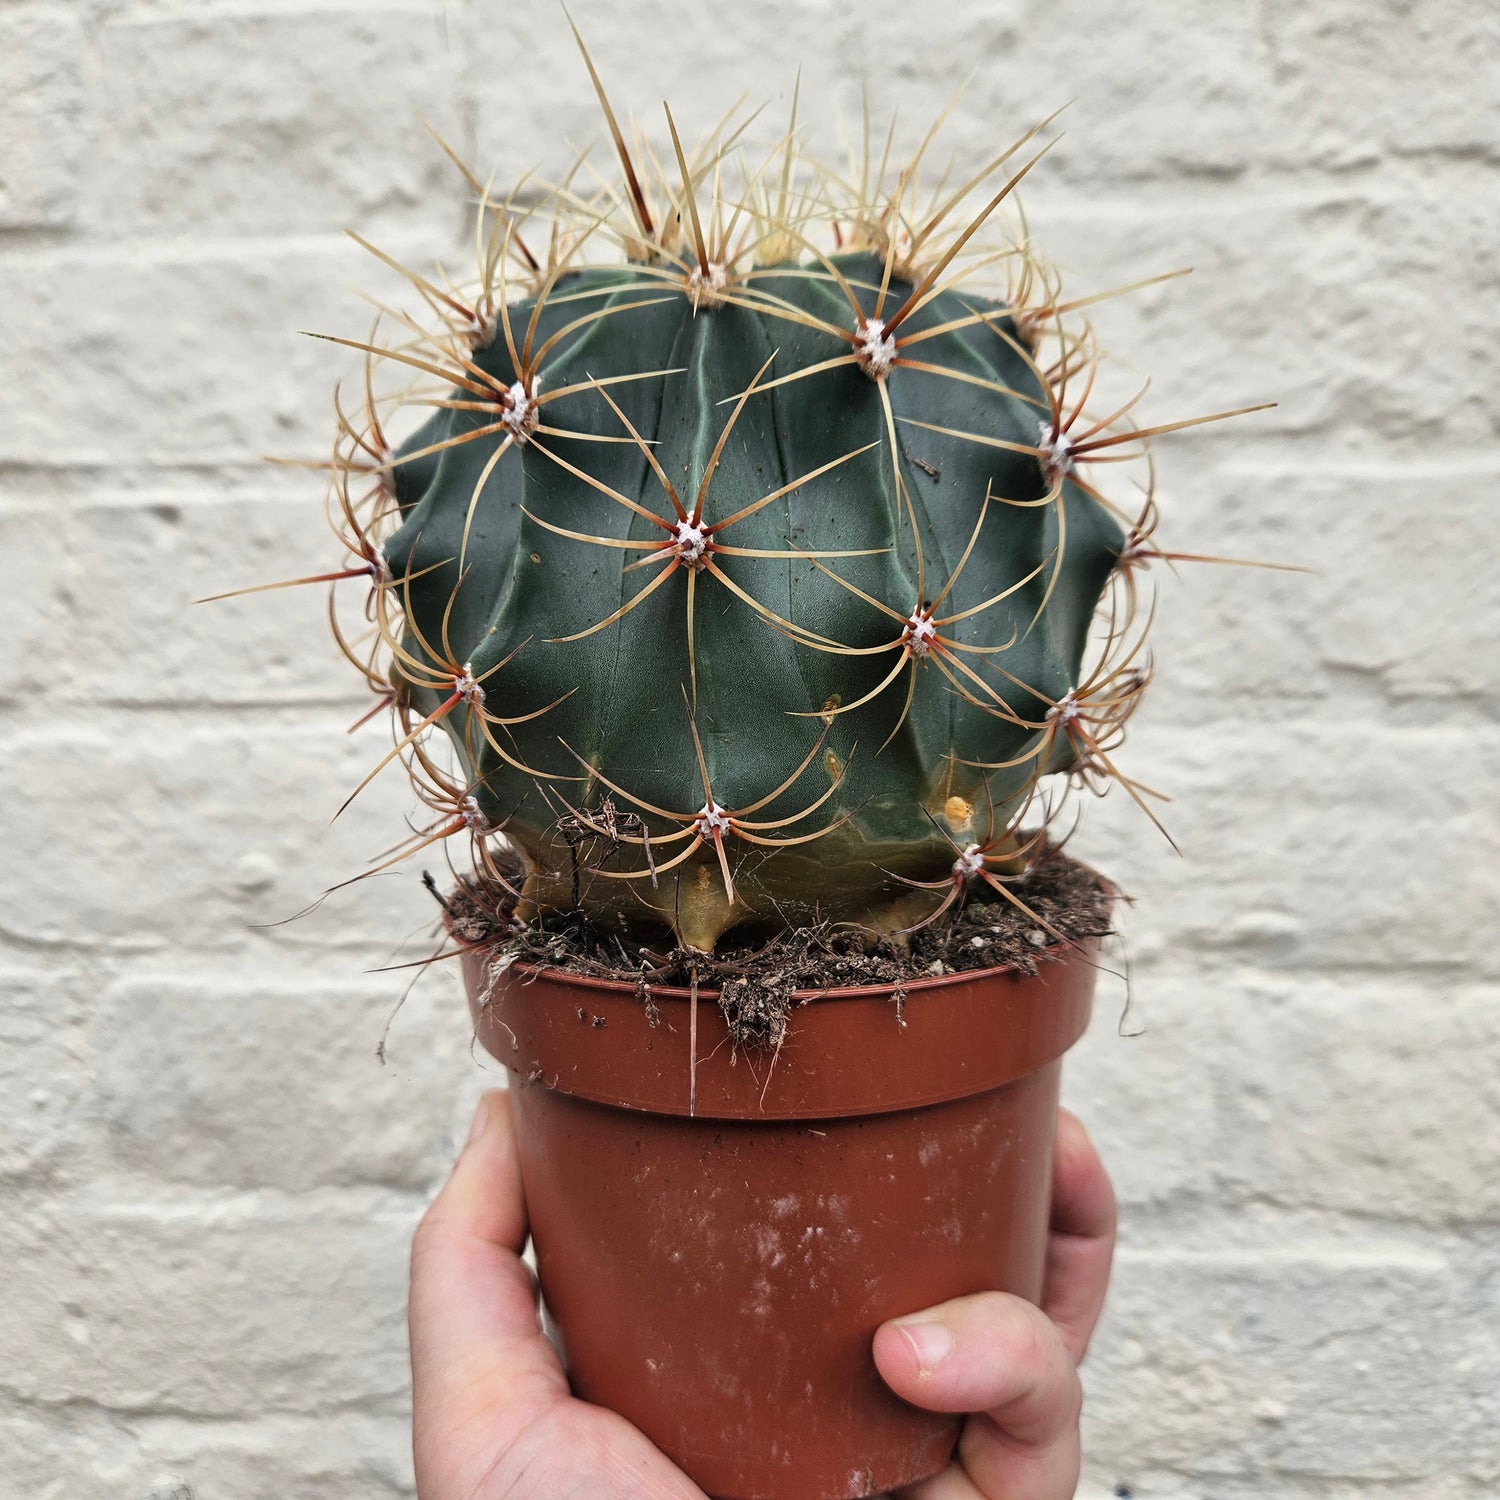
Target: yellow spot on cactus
<point>833,765</point>
<point>957,812</point>
<point>829,705</point>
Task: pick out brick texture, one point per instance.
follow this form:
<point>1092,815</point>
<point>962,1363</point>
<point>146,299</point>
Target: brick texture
<point>42,130</point>
<point>207,1176</point>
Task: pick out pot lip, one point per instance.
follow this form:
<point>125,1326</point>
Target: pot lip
<point>1052,953</point>
<point>960,1034</point>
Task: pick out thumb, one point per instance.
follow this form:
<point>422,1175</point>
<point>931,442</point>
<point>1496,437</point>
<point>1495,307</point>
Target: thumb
<point>995,1354</point>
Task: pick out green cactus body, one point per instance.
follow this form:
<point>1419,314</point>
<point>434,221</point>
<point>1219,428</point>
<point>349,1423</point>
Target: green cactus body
<point>753,583</point>
<point>893,784</point>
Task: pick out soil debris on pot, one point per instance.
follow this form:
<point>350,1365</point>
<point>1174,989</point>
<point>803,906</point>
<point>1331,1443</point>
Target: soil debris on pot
<point>758,979</point>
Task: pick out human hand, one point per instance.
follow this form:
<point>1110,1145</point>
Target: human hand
<point>1012,1365</point>
<point>493,1418</point>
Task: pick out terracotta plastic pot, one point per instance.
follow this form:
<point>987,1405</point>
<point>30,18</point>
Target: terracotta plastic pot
<point>717,1243</point>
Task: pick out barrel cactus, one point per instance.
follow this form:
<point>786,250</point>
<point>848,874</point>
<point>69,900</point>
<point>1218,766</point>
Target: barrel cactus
<point>752,549</point>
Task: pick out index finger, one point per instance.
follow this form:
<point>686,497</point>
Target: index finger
<point>475,1330</point>
<point>1081,1244</point>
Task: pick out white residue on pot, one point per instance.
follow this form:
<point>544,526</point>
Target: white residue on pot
<point>768,1245</point>
<point>951,1228</point>
<point>761,1302</point>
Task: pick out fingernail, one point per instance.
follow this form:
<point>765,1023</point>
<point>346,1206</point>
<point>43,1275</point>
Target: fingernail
<point>931,1342</point>
<point>480,1120</point>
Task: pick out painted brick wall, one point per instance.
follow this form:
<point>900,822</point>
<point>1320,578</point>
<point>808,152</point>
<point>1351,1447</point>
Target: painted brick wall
<point>207,1179</point>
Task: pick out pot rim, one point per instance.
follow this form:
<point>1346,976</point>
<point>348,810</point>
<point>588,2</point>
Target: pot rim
<point>960,1034</point>
<point>1052,953</point>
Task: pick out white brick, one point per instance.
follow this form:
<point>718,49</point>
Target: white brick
<point>1147,1483</point>
<point>42,131</point>
<point>180,358</point>
<point>1286,1363</point>
<point>275,1083</point>
<point>44,1062</point>
<point>337,1456</point>
<point>1282,306</point>
<point>1334,1104</point>
<point>1144,1083</point>
<point>75,1452</point>
<point>1117,128</point>
<point>166,648</point>
<point>271,123</point>
<point>700,73</point>
<point>242,1310</point>
<point>1310,842</point>
<point>85,1452</point>
<point>124,825</point>
<point>1355,83</point>
<point>1025,65</point>
<point>1393,550</point>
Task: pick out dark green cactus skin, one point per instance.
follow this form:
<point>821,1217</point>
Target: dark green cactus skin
<point>893,813</point>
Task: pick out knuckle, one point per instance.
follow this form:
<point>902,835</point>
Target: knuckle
<point>1024,1333</point>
